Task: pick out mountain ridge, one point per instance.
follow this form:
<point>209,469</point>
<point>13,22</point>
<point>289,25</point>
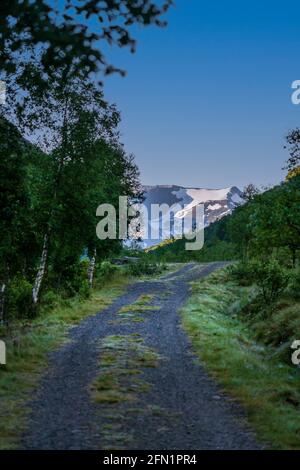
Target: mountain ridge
<point>217,202</point>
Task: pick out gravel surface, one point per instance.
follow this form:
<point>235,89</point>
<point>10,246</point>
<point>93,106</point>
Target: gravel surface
<point>184,409</point>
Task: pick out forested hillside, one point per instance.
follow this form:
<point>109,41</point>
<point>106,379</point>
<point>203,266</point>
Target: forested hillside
<point>267,225</point>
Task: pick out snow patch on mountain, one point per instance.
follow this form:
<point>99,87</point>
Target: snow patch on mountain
<point>213,207</point>
<point>217,202</point>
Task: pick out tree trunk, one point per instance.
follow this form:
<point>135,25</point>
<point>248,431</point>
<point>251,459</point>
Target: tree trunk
<point>43,261</point>
<point>40,274</point>
<point>91,268</point>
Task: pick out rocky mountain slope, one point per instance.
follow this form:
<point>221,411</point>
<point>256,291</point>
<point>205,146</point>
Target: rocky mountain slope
<point>217,203</point>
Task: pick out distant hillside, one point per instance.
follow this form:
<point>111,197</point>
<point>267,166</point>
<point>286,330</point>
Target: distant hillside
<point>217,246</point>
<point>268,223</point>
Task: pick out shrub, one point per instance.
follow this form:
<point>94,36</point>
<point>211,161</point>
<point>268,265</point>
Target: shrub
<point>144,267</point>
<point>19,298</point>
<point>50,299</point>
<point>270,278</point>
<point>242,273</point>
<point>106,270</point>
<point>294,284</point>
<point>85,291</point>
<point>75,279</point>
<point>67,277</point>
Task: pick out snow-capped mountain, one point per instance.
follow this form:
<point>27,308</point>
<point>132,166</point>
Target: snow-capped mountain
<point>217,202</point>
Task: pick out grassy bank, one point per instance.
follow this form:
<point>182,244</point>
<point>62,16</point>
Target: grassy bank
<point>29,342</point>
<point>250,371</point>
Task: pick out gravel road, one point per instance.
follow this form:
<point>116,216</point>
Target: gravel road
<point>184,409</point>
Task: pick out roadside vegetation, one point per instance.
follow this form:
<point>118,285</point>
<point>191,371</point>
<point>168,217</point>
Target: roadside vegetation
<point>246,345</point>
<point>29,342</point>
<point>273,313</point>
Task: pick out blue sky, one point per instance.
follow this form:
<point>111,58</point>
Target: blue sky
<point>207,100</point>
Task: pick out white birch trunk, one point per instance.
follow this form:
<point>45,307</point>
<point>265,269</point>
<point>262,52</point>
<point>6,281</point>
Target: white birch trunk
<point>91,268</point>
<point>41,272</point>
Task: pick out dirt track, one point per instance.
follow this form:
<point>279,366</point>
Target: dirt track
<point>183,408</point>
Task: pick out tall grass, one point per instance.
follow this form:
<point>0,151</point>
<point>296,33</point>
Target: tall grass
<point>250,371</point>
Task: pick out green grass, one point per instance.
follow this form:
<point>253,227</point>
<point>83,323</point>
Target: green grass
<point>167,268</point>
<point>122,358</point>
<point>120,380</point>
<point>133,312</point>
<point>250,371</point>
<point>27,345</point>
<point>279,329</point>
<point>138,308</point>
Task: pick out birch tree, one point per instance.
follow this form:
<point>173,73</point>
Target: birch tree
<point>66,122</point>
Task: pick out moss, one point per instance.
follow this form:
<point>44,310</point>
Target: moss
<point>120,380</point>
<point>133,312</point>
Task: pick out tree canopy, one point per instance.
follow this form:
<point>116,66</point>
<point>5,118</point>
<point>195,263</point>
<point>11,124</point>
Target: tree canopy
<point>70,33</point>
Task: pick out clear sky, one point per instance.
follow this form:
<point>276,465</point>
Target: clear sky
<point>207,100</point>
